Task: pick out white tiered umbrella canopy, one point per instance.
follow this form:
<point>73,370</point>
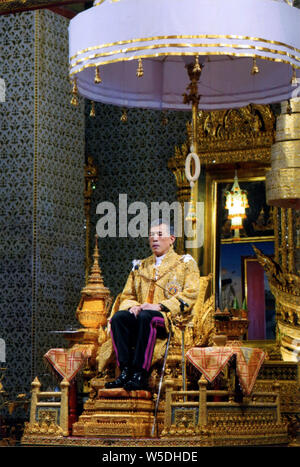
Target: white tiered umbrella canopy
<point>227,35</point>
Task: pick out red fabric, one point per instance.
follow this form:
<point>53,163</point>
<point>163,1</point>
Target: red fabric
<point>67,362</point>
<point>211,360</point>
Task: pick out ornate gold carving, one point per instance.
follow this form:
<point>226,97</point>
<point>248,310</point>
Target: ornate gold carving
<point>126,417</point>
<point>285,287</point>
<point>233,328</point>
<point>223,137</point>
<point>231,136</point>
<point>46,427</point>
<point>43,421</point>
<point>253,422</point>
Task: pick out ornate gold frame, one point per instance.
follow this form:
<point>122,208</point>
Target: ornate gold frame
<point>213,178</point>
<point>225,138</point>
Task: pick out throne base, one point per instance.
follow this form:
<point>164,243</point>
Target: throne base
<point>118,413</point>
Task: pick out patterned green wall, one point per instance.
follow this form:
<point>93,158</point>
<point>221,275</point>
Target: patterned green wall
<point>132,158</point>
<point>42,217</point>
<point>16,201</point>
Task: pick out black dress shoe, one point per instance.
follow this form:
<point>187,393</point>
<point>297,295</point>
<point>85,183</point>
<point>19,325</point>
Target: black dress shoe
<point>139,381</point>
<point>121,380</point>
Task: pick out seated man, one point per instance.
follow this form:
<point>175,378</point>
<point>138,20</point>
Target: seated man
<point>155,290</point>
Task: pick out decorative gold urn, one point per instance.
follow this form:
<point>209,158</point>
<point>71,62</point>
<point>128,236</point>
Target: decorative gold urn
<point>95,299</point>
<point>283,181</point>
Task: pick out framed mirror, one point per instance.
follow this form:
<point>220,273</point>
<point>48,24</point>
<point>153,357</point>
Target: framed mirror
<point>239,280</point>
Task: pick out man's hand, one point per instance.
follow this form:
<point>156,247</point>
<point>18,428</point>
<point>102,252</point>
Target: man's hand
<point>135,309</point>
<point>151,306</point>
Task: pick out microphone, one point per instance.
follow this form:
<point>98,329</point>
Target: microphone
<point>182,302</point>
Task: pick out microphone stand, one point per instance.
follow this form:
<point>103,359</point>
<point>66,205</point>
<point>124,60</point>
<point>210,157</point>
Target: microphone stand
<point>182,306</point>
<point>182,327</point>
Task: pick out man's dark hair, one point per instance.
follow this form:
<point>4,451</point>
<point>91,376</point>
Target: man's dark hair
<point>161,221</point>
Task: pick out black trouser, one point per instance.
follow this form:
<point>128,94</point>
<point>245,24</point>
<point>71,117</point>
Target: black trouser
<point>134,337</point>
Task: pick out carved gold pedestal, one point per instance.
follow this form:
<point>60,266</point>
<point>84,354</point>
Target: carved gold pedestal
<point>125,415</point>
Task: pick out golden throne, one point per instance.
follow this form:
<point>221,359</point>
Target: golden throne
<point>119,413</point>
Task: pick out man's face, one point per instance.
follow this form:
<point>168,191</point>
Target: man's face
<point>160,239</point>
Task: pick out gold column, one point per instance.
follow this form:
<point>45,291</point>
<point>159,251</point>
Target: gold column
<point>283,180</point>
<point>276,387</point>
<point>64,407</point>
<point>276,233</point>
<point>169,385</point>
<point>36,386</point>
<point>202,401</point>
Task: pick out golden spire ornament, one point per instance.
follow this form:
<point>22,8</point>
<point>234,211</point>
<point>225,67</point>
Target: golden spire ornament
<point>95,298</point>
<point>97,79</point>
<point>74,100</point>
<point>140,69</point>
<point>255,68</point>
<point>93,110</point>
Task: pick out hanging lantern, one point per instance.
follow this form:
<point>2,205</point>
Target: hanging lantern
<point>236,203</point>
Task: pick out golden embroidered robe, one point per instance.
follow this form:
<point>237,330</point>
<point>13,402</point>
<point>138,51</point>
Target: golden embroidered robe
<point>177,274</point>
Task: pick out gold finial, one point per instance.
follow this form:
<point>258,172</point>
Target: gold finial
<point>93,110</point>
<point>124,117</point>
<point>74,100</point>
<point>255,68</point>
<point>140,69</point>
<point>97,79</point>
<point>197,66</point>
<point>95,275</point>
<point>294,81</point>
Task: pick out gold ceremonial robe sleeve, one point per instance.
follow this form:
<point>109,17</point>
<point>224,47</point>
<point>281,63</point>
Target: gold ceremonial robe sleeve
<point>189,292</point>
<point>129,297</point>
